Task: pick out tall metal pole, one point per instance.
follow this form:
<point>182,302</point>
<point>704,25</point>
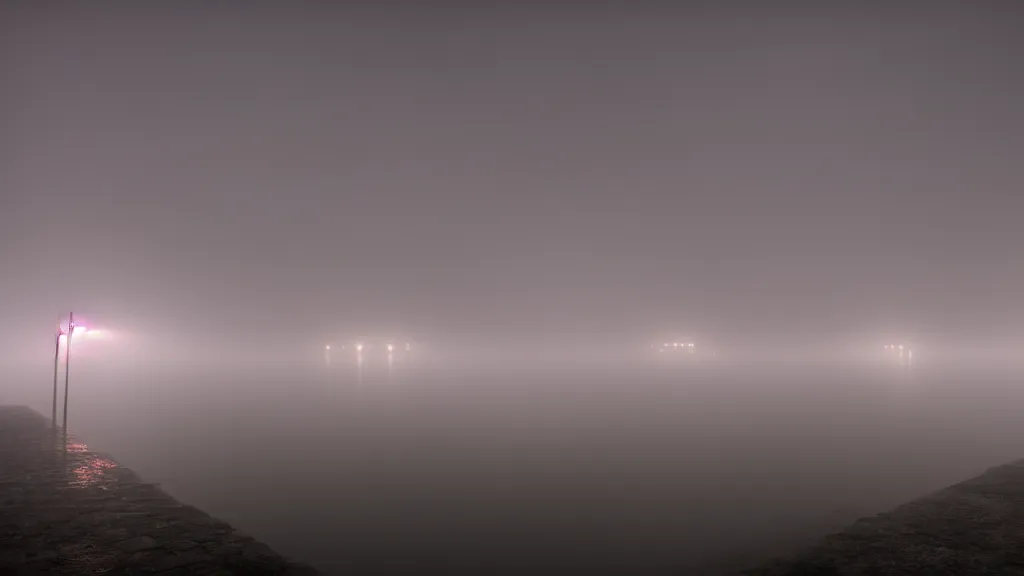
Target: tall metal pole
<point>56,363</point>
<point>67,366</point>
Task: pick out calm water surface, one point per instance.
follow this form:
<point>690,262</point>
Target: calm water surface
<point>597,469</point>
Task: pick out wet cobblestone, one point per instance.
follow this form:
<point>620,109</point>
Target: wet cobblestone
<point>65,509</point>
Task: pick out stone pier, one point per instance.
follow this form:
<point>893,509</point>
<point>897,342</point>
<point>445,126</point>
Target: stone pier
<point>65,509</point>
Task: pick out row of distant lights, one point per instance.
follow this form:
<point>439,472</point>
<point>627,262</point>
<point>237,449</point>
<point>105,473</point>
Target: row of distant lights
<point>900,348</point>
<point>678,345</point>
<point>359,347</point>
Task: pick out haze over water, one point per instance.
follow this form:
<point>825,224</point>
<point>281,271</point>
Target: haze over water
<point>622,470</point>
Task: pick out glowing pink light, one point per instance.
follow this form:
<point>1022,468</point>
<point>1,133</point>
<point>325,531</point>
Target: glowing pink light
<point>78,331</point>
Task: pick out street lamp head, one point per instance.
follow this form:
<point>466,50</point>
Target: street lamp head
<point>74,330</point>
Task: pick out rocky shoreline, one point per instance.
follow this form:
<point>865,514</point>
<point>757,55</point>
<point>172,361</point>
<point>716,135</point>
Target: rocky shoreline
<point>973,528</point>
<point>65,509</point>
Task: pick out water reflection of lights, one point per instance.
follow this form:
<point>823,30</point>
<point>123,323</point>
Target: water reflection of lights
<point>90,469</point>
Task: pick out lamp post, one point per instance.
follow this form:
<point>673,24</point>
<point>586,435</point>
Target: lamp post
<point>56,363</point>
<point>67,366</point>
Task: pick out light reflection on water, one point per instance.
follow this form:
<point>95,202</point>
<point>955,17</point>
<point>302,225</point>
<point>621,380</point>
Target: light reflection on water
<point>88,469</point>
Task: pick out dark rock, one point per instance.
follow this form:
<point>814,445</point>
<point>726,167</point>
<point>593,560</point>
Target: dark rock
<point>973,528</point>
<point>137,544</point>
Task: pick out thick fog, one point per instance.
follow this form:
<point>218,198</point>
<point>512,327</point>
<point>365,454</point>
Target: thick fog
<point>625,287</point>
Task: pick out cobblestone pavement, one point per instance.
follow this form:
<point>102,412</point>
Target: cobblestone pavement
<point>973,528</point>
<point>67,510</point>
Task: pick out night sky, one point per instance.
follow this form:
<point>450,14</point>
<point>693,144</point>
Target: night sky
<point>720,167</point>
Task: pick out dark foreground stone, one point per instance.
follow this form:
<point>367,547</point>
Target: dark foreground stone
<point>972,528</point>
<point>67,510</point>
